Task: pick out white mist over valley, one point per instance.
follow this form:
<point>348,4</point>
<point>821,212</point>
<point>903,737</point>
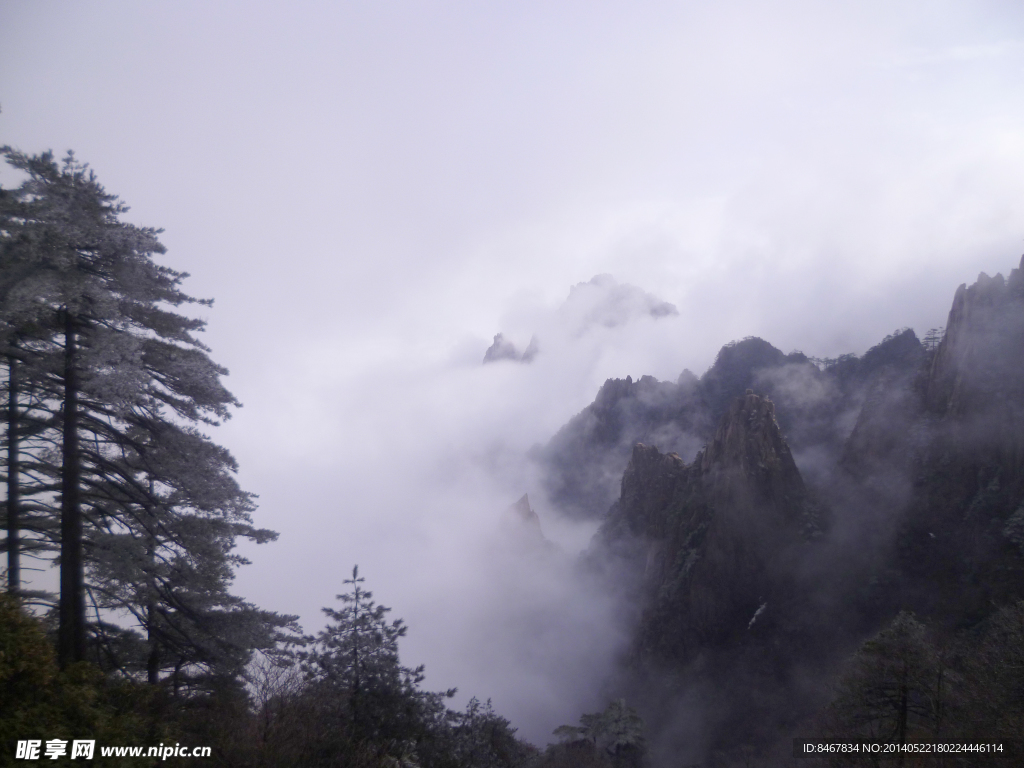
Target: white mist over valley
<point>371,193</point>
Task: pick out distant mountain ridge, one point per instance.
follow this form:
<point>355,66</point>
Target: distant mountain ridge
<point>767,517</point>
<point>601,302</point>
<point>582,464</point>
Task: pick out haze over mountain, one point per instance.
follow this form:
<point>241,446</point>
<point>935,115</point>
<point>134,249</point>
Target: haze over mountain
<point>371,193</point>
<point>601,301</point>
<point>747,586</point>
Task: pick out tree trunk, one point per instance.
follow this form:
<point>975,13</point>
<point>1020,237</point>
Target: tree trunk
<point>13,483</point>
<point>901,724</point>
<point>153,662</point>
<point>71,632</point>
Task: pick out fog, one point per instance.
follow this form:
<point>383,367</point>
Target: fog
<point>370,193</point>
<point>409,474</point>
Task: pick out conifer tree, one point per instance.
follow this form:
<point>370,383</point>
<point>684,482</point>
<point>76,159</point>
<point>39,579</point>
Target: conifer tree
<point>615,735</point>
<point>892,688</point>
<point>21,337</point>
<point>147,505</point>
<point>354,672</point>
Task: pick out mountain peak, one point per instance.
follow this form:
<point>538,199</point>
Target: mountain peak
<point>979,356</point>
<point>748,436</point>
<point>504,349</point>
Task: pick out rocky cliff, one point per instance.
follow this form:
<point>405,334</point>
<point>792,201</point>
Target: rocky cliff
<point>742,593</point>
<point>959,545</point>
<point>715,539</point>
<point>979,365</point>
<point>715,550</point>
<point>582,465</point>
<point>520,525</point>
<point>817,403</point>
<point>504,349</point>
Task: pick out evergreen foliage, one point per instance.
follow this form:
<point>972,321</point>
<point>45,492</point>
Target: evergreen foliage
<point>107,391</point>
<point>107,388</point>
<point>353,703</point>
<point>904,686</point>
<point>38,701</point>
<point>483,739</point>
<point>892,686</point>
<point>355,669</point>
<point>614,737</point>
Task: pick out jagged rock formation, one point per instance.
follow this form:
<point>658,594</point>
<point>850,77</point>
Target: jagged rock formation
<point>715,551</point>
<point>582,464</point>
<point>816,408</point>
<point>745,595</point>
<point>888,424</point>
<point>736,369</point>
<point>503,349</point>
<point>521,518</point>
<point>979,360</point>
<point>959,543</point>
<point>717,537</point>
<point>521,527</point>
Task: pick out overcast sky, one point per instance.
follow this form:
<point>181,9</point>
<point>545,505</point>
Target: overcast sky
<point>371,190</point>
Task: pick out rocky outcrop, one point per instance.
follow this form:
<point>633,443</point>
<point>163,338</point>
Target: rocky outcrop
<point>737,367</point>
<point>888,434</point>
<point>521,515</point>
<point>957,544</point>
<point>521,528</point>
<point>720,536</point>
<point>749,453</point>
<point>503,349</point>
<point>581,466</point>
<point>981,356</point>
<point>746,595</point>
<point>714,552</point>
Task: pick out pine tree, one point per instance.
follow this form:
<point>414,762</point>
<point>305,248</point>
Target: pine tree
<point>356,657</point>
<point>615,735</point>
<point>892,689</point>
<point>165,554</point>
<point>933,338</point>
<point>148,507</point>
<point>481,738</point>
<point>354,672</point>
<point>22,335</point>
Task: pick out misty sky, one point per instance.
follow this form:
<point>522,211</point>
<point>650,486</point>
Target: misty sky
<point>370,191</point>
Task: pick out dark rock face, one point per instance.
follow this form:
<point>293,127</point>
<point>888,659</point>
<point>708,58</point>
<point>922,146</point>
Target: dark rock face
<point>748,446</point>
<point>735,370</point>
<point>582,464</point>
<point>520,535</point>
<point>745,594</point>
<point>521,522</point>
<point>719,535</point>
<point>714,550</point>
<point>979,365</point>
<point>957,544</point>
<point>885,384</point>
